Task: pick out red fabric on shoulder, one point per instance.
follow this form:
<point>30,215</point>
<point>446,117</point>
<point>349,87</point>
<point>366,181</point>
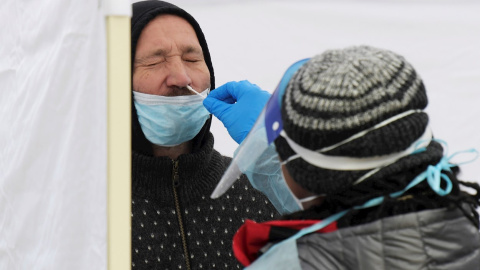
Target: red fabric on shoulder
<point>252,236</point>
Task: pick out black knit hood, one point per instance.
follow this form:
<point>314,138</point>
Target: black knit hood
<point>143,13</point>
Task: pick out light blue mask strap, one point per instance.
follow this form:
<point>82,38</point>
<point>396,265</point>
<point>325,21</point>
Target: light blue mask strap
<point>434,174</point>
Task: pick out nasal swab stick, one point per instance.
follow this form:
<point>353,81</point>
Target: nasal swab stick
<point>191,89</point>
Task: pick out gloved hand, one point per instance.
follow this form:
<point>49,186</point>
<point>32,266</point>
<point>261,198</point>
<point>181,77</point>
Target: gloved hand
<point>237,105</point>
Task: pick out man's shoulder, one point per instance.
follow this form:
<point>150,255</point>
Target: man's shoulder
<point>250,201</point>
<point>218,155</point>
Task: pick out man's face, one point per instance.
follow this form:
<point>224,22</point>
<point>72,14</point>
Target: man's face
<point>169,57</point>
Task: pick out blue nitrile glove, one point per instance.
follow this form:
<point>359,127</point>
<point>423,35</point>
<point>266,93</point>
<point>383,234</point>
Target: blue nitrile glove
<point>237,105</point>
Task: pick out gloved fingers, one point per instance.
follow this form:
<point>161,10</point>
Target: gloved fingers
<point>241,88</point>
<point>237,90</point>
<point>250,92</point>
<point>223,93</point>
<point>232,92</point>
<point>216,107</point>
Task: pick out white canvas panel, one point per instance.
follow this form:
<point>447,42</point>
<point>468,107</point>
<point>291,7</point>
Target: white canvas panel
<point>52,135</point>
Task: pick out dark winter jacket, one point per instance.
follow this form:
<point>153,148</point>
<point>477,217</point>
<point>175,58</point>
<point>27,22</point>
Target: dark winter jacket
<point>175,224</point>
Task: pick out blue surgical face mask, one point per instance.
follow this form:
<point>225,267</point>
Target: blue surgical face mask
<point>170,121</point>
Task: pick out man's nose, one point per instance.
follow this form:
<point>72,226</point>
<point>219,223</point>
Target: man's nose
<point>178,74</point>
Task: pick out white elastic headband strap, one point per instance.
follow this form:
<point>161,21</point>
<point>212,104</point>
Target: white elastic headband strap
<point>341,163</point>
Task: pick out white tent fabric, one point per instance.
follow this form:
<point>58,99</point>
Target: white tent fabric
<point>258,40</point>
<point>52,135</point>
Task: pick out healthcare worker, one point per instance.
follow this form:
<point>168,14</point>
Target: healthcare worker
<point>367,184</point>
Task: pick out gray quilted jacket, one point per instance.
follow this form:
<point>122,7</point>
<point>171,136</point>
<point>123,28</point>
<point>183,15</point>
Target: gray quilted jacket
<point>432,239</point>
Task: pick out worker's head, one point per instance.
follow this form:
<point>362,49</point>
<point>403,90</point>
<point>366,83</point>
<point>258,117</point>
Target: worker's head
<point>351,115</point>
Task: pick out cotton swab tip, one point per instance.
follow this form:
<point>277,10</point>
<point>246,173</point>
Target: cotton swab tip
<point>193,90</point>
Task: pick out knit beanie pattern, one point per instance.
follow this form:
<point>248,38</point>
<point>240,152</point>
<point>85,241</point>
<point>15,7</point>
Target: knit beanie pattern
<point>341,92</point>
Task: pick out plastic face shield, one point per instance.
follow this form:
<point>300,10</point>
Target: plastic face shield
<point>257,158</point>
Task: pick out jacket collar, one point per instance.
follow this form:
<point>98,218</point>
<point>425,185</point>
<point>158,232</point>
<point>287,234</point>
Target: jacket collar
<point>198,172</point>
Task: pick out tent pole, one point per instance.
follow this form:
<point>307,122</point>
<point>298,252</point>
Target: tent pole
<point>118,143</point>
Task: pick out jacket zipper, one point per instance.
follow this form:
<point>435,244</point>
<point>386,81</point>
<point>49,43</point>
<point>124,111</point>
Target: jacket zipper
<point>176,183</point>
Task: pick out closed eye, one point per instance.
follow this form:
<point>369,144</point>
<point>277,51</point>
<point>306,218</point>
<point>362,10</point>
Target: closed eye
<point>192,60</point>
<point>192,54</point>
<point>152,64</point>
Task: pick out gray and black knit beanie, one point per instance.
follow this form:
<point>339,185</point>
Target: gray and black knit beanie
<point>342,92</point>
